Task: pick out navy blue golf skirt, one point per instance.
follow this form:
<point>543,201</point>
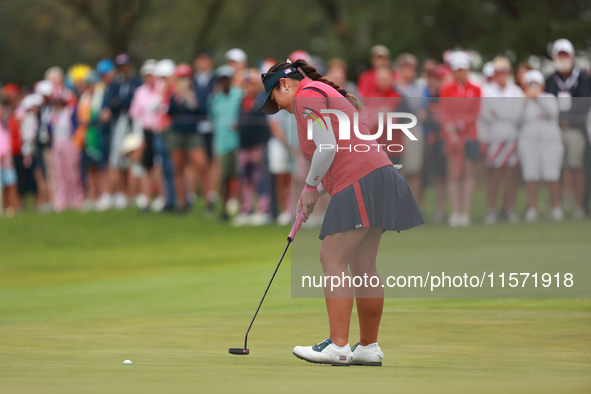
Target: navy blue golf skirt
<point>382,199</point>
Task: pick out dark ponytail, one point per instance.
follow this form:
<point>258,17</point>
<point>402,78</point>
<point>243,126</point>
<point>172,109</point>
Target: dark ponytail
<point>306,70</point>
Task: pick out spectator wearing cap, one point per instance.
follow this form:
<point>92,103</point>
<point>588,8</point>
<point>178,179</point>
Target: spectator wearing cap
<point>43,153</point>
<point>488,74</point>
<point>540,146</point>
<point>66,159</point>
<point>367,83</point>
<point>30,149</point>
<point>184,140</point>
<point>106,71</point>
<point>299,54</point>
<point>56,76</point>
<point>501,112</point>
<point>434,165</point>
<point>237,59</point>
<point>224,111</point>
<point>279,159</point>
<point>412,92</point>
<point>460,107</point>
<point>203,84</point>
<point>522,68</point>
<point>77,77</point>
<point>164,72</point>
<point>145,112</point>
<point>570,84</point>
<point>254,132</point>
<point>88,137</point>
<point>385,99</point>
<point>116,103</point>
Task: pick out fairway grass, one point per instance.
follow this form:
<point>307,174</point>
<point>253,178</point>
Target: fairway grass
<point>81,293</point>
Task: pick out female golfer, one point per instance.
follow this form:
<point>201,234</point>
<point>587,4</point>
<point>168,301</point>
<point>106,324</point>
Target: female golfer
<point>368,197</point>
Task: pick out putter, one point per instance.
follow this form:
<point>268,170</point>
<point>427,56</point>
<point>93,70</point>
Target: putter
<point>296,226</point>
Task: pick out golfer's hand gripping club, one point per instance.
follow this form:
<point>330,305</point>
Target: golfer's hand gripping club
<point>296,226</point>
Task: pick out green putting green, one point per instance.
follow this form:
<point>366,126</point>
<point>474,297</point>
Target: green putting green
<point>81,293</point>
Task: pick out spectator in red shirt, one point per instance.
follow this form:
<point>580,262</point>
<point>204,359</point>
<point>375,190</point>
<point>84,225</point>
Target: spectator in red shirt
<point>367,85</point>
<point>384,99</point>
<point>460,108</point>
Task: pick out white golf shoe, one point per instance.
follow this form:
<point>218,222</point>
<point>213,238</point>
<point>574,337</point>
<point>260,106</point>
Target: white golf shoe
<point>324,353</point>
<point>363,356</point>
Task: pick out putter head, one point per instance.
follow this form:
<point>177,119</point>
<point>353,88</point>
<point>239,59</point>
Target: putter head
<point>238,351</point>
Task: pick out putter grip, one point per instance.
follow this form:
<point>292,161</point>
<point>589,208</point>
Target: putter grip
<point>296,226</point>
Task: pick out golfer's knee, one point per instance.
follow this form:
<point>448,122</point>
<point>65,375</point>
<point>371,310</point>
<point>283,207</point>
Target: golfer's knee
<point>332,262</point>
<point>363,270</point>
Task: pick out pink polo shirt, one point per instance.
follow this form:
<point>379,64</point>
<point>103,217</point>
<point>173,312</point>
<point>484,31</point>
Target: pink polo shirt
<point>147,107</point>
<point>4,141</point>
<point>348,165</point>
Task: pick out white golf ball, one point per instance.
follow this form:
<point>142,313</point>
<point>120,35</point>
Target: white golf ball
<point>127,362</point>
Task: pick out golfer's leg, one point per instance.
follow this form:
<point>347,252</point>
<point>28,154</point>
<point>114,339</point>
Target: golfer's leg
<point>335,254</point>
<point>369,299</point>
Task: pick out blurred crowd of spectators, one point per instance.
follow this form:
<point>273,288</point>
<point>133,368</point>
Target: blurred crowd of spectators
<point>162,137</point>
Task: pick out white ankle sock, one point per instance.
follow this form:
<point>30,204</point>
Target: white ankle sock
<point>370,346</point>
<point>342,348</point>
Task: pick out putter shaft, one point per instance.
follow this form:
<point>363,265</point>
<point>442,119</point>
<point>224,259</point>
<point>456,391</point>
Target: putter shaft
<point>289,239</point>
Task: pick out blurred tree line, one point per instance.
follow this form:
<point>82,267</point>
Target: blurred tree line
<point>37,34</point>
